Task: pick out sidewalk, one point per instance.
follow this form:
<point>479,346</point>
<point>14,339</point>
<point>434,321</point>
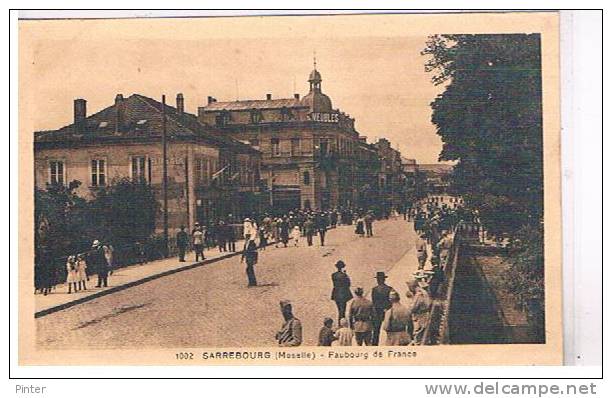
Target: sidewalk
<point>123,278</point>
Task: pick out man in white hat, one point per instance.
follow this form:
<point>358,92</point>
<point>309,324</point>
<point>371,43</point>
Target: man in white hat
<point>99,263</point>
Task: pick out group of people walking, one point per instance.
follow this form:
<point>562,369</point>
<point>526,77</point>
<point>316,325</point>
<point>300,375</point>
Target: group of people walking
<point>360,319</point>
<point>366,318</point>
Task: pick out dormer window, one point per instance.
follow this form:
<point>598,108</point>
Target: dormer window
<point>286,114</point>
<point>223,118</point>
<point>256,116</point>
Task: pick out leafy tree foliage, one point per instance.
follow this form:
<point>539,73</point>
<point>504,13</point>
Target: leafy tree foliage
<point>125,211</point>
<point>122,213</point>
<point>490,120</point>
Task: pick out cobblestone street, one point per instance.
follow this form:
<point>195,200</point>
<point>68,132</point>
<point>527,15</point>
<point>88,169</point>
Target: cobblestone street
<point>211,306</point>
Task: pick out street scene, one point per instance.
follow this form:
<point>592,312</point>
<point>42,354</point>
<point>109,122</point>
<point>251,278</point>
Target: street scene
<point>366,207</point>
<point>213,298</point>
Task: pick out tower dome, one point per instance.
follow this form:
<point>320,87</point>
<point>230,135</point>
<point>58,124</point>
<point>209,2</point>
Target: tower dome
<point>315,99</point>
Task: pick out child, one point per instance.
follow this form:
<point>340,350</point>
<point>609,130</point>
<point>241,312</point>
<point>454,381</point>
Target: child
<point>295,234</point>
<point>326,334</point>
<point>81,267</point>
<point>72,277</point>
<point>344,334</point>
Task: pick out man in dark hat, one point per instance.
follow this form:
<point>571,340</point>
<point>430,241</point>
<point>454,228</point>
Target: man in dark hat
<point>341,293</point>
<point>361,312</point>
<point>290,334</point>
<point>381,303</point>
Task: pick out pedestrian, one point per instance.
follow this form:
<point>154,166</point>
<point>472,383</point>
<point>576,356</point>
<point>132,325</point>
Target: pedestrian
<point>359,227</point>
<point>99,263</point>
<point>444,246</point>
<point>251,256</point>
<point>344,334</point>
<point>380,303</point>
<point>341,292</point>
<point>82,272</point>
<point>396,322</point>
<point>309,230</point>
<point>198,243</point>
<point>421,249</point>
<point>290,334</point>
<point>295,235</point>
<point>72,276</point>
<point>263,237</point>
<point>231,237</point>
<point>360,312</point>
<point>421,309</point>
<point>326,334</point>
<point>321,225</point>
<point>368,221</point>
<point>109,252</point>
<point>221,237</point>
<point>182,240</point>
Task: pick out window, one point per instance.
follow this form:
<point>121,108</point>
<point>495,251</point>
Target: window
<point>256,116</point>
<point>139,169</point>
<point>56,172</point>
<point>306,178</point>
<point>275,142</point>
<point>202,171</point>
<point>98,172</point>
<point>286,114</point>
<point>295,146</point>
<point>324,146</point>
<point>223,118</point>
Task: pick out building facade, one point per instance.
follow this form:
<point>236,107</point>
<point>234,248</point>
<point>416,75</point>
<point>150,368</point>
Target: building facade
<point>209,175</point>
<point>390,176</point>
<point>308,147</point>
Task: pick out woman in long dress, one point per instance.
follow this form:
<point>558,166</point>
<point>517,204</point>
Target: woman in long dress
<point>72,277</point>
<point>295,234</point>
<point>359,228</point>
<point>82,272</point>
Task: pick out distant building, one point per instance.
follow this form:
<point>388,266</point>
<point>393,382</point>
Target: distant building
<point>308,146</point>
<point>209,174</point>
<point>390,179</point>
<point>437,177</point>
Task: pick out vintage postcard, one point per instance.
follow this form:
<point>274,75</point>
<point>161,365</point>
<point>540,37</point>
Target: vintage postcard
<point>314,190</point>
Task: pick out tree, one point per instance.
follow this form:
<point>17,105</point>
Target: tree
<point>59,219</point>
<point>125,211</point>
<point>490,120</point>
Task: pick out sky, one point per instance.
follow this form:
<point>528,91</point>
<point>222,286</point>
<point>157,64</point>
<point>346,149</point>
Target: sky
<point>371,71</point>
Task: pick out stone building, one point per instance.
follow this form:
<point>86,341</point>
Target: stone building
<point>390,176</point>
<point>307,145</point>
<point>209,174</point>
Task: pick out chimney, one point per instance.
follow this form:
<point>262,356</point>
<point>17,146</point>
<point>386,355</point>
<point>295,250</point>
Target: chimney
<point>296,96</point>
<point>268,97</point>
<point>119,112</point>
<point>80,112</point>
<point>210,100</point>
<point>180,104</point>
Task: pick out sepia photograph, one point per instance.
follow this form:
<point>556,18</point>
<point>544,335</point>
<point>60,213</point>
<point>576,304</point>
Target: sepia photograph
<point>329,189</point>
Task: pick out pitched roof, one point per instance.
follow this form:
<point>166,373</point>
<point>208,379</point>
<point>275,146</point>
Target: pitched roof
<point>143,119</point>
<point>253,104</point>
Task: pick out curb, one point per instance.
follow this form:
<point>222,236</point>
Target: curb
<point>128,285</point>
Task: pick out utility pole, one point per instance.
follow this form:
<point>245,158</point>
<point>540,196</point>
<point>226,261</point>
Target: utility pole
<point>165,174</point>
